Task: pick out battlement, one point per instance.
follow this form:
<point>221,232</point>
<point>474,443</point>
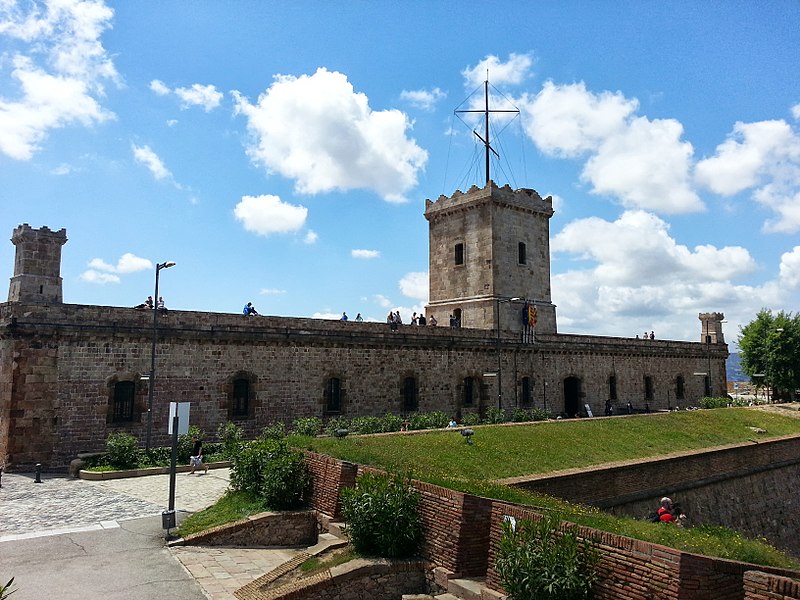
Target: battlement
<point>37,265</point>
<point>523,199</point>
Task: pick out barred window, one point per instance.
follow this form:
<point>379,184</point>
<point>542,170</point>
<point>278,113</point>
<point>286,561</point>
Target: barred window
<point>410,401</point>
<point>123,401</point>
<point>333,395</point>
<point>240,406</point>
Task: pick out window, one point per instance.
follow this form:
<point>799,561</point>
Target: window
<point>612,387</point>
<point>707,382</point>
<point>240,406</point>
<point>648,388</point>
<point>333,395</point>
<point>410,402</point>
<point>526,391</point>
<point>523,257</point>
<point>469,391</point>
<point>459,255</point>
<point>680,392</point>
<point>122,403</point>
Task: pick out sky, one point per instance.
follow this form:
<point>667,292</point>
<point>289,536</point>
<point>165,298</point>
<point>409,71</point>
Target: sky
<point>282,152</point>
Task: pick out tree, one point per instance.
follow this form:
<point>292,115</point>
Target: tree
<point>770,346</point>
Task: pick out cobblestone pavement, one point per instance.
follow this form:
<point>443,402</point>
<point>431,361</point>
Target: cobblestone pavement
<point>62,504</point>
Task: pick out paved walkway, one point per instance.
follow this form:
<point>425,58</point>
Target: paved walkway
<point>62,505</point>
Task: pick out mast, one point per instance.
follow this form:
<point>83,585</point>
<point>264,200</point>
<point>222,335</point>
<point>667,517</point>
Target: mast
<point>488,150</point>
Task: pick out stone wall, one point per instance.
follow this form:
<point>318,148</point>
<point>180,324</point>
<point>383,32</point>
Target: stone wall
<point>287,528</point>
<point>748,487</point>
<point>60,364</point>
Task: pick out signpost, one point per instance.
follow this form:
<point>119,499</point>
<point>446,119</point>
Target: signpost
<point>178,425</point>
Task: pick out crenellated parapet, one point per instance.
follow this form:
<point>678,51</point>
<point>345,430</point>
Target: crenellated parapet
<point>37,265</point>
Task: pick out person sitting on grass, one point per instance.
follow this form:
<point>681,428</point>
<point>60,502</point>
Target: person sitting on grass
<point>196,459</point>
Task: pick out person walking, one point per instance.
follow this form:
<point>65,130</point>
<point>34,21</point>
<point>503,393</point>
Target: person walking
<point>196,458</point>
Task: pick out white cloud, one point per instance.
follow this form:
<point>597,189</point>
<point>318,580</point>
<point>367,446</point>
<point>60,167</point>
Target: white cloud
<point>62,169</point>
<point>512,72</point>
<point>317,130</point>
<point>644,163</point>
<point>159,87</point>
<point>102,272</point>
<point>423,99</point>
<point>365,254</point>
<point>269,214</point>
<point>311,237</point>
<point>415,285</point>
<point>271,292</point>
<point>145,156</point>
<point>765,157</point>
<point>172,122</point>
<point>206,96</point>
<point>796,111</point>
<point>790,268</point>
<point>663,288</point>
<point>382,301</point>
<point>59,74</point>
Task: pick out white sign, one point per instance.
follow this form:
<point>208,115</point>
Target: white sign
<point>182,410</point>
<point>588,410</point>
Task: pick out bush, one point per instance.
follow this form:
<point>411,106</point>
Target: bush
<point>158,457</point>
<point>310,426</point>
<point>122,451</point>
<point>471,419</point>
<point>540,561</point>
<point>336,423</point>
<point>367,424</point>
<point>496,415</point>
<point>269,468</point>
<point>714,402</point>
<point>539,414</point>
<point>275,431</point>
<point>392,422</point>
<point>382,516</point>
<point>230,437</point>
<point>419,421</point>
<point>438,420</point>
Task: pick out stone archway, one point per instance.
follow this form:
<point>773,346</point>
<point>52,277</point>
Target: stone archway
<point>572,396</point>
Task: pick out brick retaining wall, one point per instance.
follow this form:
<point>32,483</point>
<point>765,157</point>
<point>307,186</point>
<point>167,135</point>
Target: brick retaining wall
<point>763,586</point>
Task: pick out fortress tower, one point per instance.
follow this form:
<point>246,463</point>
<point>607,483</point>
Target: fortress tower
<point>37,265</point>
<point>487,247</point>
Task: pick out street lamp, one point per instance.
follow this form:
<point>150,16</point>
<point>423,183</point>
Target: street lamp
<point>164,265</point>
<point>499,376</point>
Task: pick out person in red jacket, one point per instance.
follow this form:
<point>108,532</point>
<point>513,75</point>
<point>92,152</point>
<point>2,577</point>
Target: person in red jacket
<point>666,512</point>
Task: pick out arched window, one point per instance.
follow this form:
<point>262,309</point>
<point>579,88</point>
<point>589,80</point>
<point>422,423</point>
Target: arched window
<point>333,395</point>
<point>123,401</point>
<point>612,387</point>
<point>470,389</point>
<point>522,257</point>
<point>240,403</point>
<point>410,402</point>
<point>527,397</point>
<point>680,385</point>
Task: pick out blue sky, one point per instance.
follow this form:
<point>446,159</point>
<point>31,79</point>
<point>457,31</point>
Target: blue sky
<point>281,152</point>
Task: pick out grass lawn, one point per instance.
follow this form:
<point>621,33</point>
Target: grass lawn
<point>442,457</point>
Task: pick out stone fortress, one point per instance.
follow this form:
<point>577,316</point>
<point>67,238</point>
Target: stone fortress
<point>71,374</point>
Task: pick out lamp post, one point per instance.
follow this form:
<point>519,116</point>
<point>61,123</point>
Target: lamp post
<point>159,266</point>
<point>499,376</point>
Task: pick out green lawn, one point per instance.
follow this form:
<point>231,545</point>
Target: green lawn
<point>443,458</point>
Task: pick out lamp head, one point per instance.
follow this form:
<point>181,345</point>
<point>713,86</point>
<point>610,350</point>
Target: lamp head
<point>168,264</point>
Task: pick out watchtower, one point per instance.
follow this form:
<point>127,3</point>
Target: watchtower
<point>489,253</point>
<point>37,265</point>
<point>712,328</point>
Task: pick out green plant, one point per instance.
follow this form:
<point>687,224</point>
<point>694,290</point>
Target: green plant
<point>495,415</point>
<point>714,402</point>
<point>271,469</point>
<point>310,426</point>
<point>545,561</point>
<point>391,422</point>
<point>539,414</point>
<point>471,419</point>
<point>382,516</point>
<point>5,590</point>
<point>275,431</point>
<point>367,424</point>
<point>122,451</point>
<point>336,423</point>
<point>230,436</point>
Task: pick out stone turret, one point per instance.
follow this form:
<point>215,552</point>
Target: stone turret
<point>712,328</point>
<point>37,265</point>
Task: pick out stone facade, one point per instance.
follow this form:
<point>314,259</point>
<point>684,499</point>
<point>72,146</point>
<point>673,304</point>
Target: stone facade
<point>72,374</point>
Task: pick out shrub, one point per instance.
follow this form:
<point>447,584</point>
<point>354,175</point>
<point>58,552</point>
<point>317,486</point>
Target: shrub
<point>419,421</point>
<point>269,468</point>
<point>541,561</point>
<point>230,436</point>
<point>122,451</point>
<point>336,423</point>
<point>311,426</point>
<point>438,420</point>
<point>520,415</point>
<point>471,419</point>
<point>159,456</point>
<point>367,424</point>
<point>392,422</point>
<point>382,516</point>
<point>275,431</point>
<point>714,402</point>
<point>539,414</point>
<point>496,415</point>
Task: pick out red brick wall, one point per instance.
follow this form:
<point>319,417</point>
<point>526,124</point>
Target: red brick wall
<point>763,586</point>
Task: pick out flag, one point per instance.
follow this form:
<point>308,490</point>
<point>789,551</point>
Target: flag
<point>532,315</point>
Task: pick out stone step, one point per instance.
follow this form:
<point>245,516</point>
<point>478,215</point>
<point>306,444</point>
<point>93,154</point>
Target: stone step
<point>466,589</point>
<point>326,541</point>
<point>447,596</point>
<point>337,529</point>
